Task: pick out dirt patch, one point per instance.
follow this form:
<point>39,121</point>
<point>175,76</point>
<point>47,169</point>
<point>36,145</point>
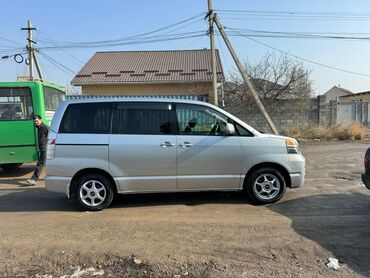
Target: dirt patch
<point>195,234</point>
<point>108,265</point>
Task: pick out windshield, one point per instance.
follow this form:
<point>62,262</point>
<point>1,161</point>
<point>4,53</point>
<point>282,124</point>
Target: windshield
<point>15,104</point>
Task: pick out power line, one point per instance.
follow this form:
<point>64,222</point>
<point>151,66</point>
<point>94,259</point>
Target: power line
<point>292,18</point>
<point>172,37</point>
<point>190,43</point>
<point>9,51</point>
<point>15,56</point>
<point>198,17</point>
<point>56,63</point>
<point>308,32</point>
<point>75,59</point>
<point>136,39</point>
<point>57,67</point>
<point>303,59</point>
<point>298,35</point>
<point>186,25</point>
<point>7,40</point>
<point>291,15</point>
<point>66,53</point>
<point>295,13</point>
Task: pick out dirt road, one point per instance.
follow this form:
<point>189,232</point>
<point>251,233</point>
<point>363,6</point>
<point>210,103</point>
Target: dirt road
<point>43,234</point>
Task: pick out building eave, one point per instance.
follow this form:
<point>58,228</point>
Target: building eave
<point>144,83</point>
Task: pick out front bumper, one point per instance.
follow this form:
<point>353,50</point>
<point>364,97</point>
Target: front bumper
<point>58,184</point>
<point>297,180</point>
<point>366,180</point>
<point>297,169</point>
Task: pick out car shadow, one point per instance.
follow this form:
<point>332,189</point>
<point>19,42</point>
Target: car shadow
<point>183,198</point>
<point>18,172</point>
<point>337,222</point>
<point>30,199</point>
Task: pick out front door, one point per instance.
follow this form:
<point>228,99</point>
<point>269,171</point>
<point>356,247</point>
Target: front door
<point>207,158</point>
<point>142,148</point>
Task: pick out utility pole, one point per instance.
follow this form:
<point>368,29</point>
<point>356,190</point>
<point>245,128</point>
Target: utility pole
<point>245,76</point>
<point>29,48</point>
<point>31,53</point>
<point>213,52</point>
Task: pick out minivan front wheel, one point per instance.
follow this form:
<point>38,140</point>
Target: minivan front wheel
<point>266,186</point>
<point>94,192</point>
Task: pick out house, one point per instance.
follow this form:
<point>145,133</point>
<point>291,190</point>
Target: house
<point>171,73</point>
<point>264,88</point>
<point>334,93</point>
<point>362,96</point>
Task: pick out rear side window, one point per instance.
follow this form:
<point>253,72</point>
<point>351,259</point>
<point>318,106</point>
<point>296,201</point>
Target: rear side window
<point>52,98</point>
<point>87,118</point>
<point>15,104</point>
<point>143,118</point>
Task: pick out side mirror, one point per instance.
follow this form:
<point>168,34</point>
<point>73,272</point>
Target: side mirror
<point>230,129</point>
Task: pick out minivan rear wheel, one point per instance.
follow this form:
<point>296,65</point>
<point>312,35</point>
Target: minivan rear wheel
<point>94,192</point>
<point>266,186</point>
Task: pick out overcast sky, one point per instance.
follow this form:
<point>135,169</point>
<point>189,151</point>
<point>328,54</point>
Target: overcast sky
<point>68,22</point>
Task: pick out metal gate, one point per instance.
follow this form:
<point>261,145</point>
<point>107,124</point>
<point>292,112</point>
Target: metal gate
<point>353,112</point>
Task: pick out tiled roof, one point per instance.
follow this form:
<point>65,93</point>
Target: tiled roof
<point>170,66</point>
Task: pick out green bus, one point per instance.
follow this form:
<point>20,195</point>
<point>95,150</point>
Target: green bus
<point>19,101</point>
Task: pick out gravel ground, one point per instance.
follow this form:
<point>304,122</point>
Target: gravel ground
<point>43,234</point>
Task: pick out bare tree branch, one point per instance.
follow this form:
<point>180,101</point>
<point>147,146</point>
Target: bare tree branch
<point>274,78</point>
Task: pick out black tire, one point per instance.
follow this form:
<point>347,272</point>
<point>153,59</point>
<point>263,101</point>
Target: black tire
<point>94,192</point>
<point>266,186</point>
<point>10,166</point>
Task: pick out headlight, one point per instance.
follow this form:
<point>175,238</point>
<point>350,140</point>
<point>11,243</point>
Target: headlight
<point>292,146</point>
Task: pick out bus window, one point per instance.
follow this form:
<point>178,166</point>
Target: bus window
<point>15,104</point>
<point>52,98</point>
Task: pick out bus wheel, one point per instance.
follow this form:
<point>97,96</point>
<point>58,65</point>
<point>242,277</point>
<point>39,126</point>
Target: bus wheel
<point>10,166</point>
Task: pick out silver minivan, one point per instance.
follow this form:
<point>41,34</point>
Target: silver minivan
<point>98,148</point>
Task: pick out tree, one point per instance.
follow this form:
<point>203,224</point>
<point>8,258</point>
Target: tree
<point>72,90</point>
<point>274,78</point>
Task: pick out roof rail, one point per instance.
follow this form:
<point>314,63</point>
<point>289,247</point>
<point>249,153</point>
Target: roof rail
<point>194,97</point>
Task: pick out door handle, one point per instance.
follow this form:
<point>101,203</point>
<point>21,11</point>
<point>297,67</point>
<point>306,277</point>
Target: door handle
<point>186,145</point>
<point>166,144</point>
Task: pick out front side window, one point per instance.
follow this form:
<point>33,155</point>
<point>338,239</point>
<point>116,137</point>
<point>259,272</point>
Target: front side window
<point>200,120</point>
<point>15,104</point>
<point>87,118</point>
<point>241,131</point>
<point>52,98</point>
<point>143,118</point>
